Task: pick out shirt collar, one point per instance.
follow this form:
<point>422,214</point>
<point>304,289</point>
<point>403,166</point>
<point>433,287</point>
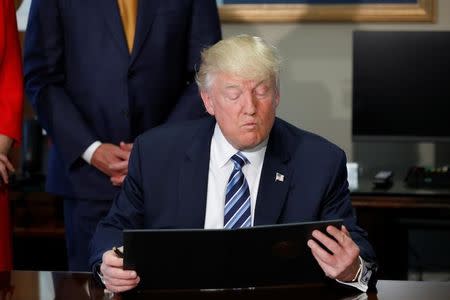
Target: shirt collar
<point>225,150</point>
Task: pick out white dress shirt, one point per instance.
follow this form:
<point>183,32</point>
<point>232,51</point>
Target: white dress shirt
<point>87,155</point>
<point>220,168</point>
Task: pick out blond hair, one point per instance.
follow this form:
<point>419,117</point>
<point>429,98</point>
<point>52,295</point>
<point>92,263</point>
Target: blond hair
<point>247,56</point>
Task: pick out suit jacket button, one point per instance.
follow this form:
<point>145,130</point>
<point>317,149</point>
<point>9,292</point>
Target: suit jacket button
<point>126,113</point>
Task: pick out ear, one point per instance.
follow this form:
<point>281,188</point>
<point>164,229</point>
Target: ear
<point>208,102</point>
<point>276,100</point>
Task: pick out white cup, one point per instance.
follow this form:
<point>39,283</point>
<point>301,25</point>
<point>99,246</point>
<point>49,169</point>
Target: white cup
<point>352,175</point>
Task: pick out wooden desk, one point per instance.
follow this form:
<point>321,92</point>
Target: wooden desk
<point>400,196</point>
<point>389,214</point>
<point>30,285</point>
<point>383,213</point>
<point>37,221</point>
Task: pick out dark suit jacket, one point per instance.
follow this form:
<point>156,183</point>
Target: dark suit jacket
<point>166,186</point>
<point>85,86</point>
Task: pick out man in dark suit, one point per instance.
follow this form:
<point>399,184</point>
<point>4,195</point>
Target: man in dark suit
<point>98,74</point>
<point>243,167</point>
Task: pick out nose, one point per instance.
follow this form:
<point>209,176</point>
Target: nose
<point>249,103</point>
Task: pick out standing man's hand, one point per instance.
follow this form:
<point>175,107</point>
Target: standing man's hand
<point>108,155</point>
<point>5,168</point>
<point>114,277</point>
<point>343,264</point>
<point>121,167</point>
<point>5,165</point>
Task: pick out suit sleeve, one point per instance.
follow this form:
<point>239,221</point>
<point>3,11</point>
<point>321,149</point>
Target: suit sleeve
<point>337,204</point>
<point>45,76</point>
<point>11,82</point>
<point>126,211</point>
<point>205,31</point>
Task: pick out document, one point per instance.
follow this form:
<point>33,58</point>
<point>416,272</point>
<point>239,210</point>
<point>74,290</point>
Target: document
<point>223,258</point>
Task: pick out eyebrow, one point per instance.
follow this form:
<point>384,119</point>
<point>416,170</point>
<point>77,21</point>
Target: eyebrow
<point>231,85</point>
<point>261,82</point>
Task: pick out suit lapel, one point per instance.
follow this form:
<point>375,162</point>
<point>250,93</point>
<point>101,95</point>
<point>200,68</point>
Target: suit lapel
<point>146,14</point>
<point>272,192</point>
<point>110,12</point>
<point>193,180</point>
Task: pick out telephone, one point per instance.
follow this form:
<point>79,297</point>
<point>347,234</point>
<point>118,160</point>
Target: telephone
<point>428,177</point>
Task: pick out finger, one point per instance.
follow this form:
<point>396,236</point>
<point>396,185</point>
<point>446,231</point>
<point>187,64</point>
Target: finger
<point>112,273</point>
<point>344,230</point>
<point>341,237</point>
<point>126,146</point>
<point>328,242</point>
<point>333,270</point>
<point>321,253</point>
<point>120,282</point>
<point>112,265</point>
<point>8,164</point>
<point>347,243</point>
<point>125,155</point>
<point>111,259</point>
<point>117,281</point>
<point>114,181</point>
<point>119,166</point>
<point>118,180</point>
<point>3,173</point>
<point>119,289</point>
<point>327,269</point>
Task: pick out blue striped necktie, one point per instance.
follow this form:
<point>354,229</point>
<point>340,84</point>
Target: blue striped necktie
<point>237,197</point>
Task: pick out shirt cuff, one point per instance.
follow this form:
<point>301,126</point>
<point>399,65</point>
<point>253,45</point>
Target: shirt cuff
<point>362,282</point>
<point>87,155</point>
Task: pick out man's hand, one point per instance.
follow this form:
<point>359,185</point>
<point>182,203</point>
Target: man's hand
<point>5,165</point>
<point>5,168</point>
<point>106,156</point>
<point>121,167</point>
<point>344,263</point>
<point>115,278</point>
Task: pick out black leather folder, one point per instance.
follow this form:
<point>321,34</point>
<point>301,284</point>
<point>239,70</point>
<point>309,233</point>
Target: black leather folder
<point>214,259</point>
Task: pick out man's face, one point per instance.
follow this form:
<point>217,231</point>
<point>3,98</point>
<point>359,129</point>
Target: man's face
<point>244,109</point>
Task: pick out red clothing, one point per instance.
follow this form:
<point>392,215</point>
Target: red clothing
<point>11,101</point>
<point>5,232</point>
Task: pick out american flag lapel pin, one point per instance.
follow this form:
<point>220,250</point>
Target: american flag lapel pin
<point>279,177</point>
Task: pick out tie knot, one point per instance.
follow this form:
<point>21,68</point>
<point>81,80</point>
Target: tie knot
<point>239,160</point>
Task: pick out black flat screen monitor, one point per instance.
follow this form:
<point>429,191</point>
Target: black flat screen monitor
<point>401,85</point>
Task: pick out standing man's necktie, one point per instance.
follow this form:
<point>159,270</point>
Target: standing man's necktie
<point>128,14</point>
<point>237,197</point>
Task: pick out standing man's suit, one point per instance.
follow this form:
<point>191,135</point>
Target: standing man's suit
<point>85,85</point>
<point>166,186</point>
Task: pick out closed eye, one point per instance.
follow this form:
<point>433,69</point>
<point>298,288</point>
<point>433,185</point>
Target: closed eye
<point>261,90</point>
<point>233,93</point>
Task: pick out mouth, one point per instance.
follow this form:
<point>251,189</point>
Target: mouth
<point>249,126</point>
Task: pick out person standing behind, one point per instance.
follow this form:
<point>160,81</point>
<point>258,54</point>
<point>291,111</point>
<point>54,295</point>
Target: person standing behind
<point>98,74</point>
<point>11,102</point>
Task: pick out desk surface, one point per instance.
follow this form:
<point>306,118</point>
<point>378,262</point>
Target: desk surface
<point>31,285</point>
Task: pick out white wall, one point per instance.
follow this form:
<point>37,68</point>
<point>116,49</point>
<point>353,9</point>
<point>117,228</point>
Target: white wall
<point>316,80</point>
